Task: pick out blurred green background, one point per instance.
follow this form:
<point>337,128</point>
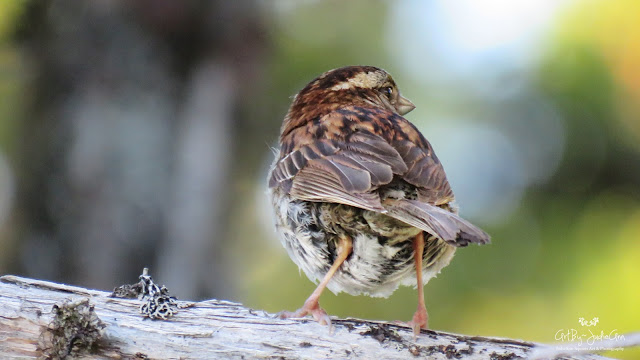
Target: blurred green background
<point>138,133</point>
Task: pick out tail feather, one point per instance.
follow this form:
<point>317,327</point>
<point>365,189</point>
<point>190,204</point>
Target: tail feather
<point>436,221</point>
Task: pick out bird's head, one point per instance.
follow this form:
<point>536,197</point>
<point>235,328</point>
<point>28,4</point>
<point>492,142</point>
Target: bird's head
<point>366,86</point>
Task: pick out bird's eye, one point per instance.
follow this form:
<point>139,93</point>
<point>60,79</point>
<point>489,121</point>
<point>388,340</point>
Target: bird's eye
<point>387,91</point>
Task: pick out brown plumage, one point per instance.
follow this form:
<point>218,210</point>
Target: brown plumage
<point>355,181</point>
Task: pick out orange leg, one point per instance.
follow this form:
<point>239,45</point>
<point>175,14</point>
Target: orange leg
<point>312,306</point>
<point>420,318</point>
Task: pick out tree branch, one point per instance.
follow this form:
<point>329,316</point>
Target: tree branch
<point>40,319</point>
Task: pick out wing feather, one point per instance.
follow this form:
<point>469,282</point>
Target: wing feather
<point>343,172</point>
<point>317,184</point>
<point>425,172</point>
<point>376,149</point>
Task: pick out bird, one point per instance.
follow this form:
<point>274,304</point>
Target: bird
<point>360,200</point>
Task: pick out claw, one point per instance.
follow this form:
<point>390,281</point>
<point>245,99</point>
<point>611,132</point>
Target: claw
<point>312,309</point>
<point>420,321</point>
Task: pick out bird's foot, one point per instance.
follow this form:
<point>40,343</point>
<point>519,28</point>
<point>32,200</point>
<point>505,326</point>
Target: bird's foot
<point>309,308</point>
<point>420,321</point>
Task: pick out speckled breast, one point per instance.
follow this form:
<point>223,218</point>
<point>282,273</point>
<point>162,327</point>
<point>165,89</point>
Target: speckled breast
<point>382,257</point>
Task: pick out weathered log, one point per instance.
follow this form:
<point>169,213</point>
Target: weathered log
<point>40,319</point>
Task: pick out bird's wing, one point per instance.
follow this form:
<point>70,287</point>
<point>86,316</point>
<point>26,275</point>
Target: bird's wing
<point>343,172</point>
<point>367,150</point>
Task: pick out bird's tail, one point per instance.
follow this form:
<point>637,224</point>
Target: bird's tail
<point>436,221</point>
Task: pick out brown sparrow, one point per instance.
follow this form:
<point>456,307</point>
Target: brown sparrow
<point>361,202</point>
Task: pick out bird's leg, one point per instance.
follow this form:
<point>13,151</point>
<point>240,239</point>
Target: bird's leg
<point>420,318</point>
<point>312,306</point>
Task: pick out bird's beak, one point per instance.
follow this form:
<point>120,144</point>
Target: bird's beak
<point>403,105</point>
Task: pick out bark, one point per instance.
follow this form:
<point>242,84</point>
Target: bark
<point>40,319</point>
